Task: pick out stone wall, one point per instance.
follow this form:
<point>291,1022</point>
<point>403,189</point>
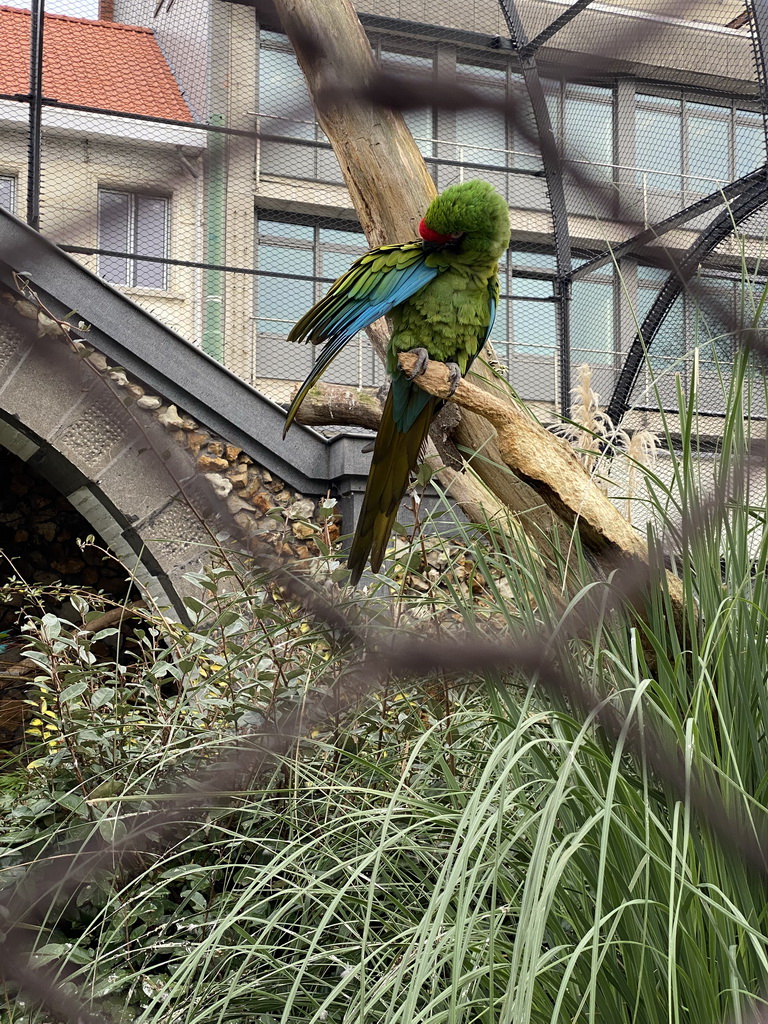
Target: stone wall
<point>267,512</point>
<point>262,512</point>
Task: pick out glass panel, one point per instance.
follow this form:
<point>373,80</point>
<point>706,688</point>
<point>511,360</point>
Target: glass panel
<point>533,260</point>
<point>592,322</point>
<point>713,320</point>
<point>333,265</point>
<point>275,38</point>
<point>8,193</point>
<point>668,347</point>
<point>420,125</point>
<point>707,149</point>
<point>589,133</point>
<point>481,137</point>
<point>282,300</point>
<point>281,229</point>
<point>151,237</point>
<point>534,324</point>
<point>750,143</point>
<point>495,75</point>
<point>405,61</point>
<point>114,221</point>
<point>354,242</point>
<point>659,148</point>
<point>283,99</point>
<point>419,122</point>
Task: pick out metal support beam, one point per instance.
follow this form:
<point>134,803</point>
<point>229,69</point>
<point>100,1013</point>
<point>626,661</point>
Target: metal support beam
<point>677,220</point>
<point>35,112</point>
<point>553,174</point>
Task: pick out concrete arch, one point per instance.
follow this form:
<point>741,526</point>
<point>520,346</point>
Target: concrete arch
<point>111,460</point>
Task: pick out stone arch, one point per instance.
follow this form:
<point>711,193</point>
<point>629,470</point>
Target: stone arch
<point>111,460</point>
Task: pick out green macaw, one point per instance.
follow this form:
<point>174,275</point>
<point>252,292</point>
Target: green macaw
<point>441,293</point>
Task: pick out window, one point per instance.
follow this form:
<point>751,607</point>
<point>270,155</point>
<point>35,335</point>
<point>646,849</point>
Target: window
<point>587,131</point>
<point>296,264</point>
<point>592,332</point>
<point>692,148</point>
<point>749,141</point>
<point>286,112</point>
<point>707,320</point>
<point>8,192</point>
<point>132,224</point>
<point>481,134</point>
<point>420,122</point>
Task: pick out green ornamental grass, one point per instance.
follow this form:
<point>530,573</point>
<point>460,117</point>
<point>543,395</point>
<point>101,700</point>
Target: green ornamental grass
<point>463,849</point>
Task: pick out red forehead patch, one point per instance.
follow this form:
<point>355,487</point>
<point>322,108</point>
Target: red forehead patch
<point>432,236</point>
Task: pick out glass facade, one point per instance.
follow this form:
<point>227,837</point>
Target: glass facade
<point>297,263</point>
<point>690,149</point>
<point>674,148</point>
<point>286,112</point>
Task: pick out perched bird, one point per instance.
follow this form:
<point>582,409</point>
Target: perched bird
<point>441,293</point>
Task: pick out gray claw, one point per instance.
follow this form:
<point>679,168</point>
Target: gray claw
<point>454,376</point>
<point>422,362</point>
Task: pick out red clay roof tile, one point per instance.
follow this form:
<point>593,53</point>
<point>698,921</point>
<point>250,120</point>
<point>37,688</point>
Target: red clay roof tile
<point>92,63</point>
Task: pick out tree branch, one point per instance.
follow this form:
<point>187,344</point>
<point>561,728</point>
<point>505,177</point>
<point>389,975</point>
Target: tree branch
<point>337,405</point>
<point>549,466</point>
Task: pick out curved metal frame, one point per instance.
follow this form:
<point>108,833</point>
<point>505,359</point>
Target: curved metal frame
<point>751,200</point>
<point>744,196</point>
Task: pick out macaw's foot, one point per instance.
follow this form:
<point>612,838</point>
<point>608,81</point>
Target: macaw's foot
<point>454,376</point>
<point>422,362</point>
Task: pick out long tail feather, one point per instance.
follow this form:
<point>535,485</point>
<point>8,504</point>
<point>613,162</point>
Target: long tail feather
<point>326,357</point>
<point>395,456</point>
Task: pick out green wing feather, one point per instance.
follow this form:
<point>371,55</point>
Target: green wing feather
<point>373,285</point>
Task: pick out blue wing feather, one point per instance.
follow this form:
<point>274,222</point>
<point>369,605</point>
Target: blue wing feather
<point>359,297</point>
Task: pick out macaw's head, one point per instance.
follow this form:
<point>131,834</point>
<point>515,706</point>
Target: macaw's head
<point>473,216</point>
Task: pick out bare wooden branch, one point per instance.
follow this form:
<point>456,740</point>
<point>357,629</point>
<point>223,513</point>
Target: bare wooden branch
<point>549,466</point>
<point>337,405</point>
<point>137,609</point>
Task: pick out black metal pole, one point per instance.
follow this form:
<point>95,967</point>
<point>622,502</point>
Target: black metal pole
<point>35,113</point>
<point>553,174</point>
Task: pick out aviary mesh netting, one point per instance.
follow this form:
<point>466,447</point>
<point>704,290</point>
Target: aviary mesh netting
<point>629,143</point>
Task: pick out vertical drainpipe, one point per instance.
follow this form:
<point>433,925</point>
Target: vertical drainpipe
<point>215,201</point>
<point>216,181</point>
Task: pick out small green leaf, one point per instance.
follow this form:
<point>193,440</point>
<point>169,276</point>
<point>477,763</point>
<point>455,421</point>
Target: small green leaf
<point>70,692</point>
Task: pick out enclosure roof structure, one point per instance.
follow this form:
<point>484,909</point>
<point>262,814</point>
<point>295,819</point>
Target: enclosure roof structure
<point>726,12</point>
<point>93,64</point>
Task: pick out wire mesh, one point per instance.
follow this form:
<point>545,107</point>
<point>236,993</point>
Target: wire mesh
<point>183,163</point>
<point>208,192</point>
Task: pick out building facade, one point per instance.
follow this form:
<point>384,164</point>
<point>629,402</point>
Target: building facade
<point>238,199</point>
